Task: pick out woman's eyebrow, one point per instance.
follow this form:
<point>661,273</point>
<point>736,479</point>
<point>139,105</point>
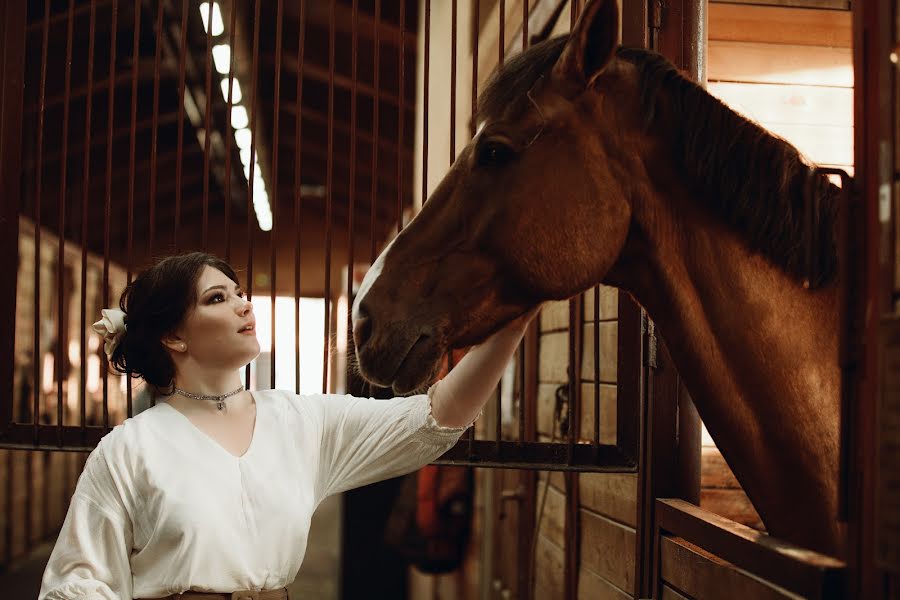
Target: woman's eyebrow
<point>220,287</point>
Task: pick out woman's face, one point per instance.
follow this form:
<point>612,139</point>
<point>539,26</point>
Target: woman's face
<point>215,330</point>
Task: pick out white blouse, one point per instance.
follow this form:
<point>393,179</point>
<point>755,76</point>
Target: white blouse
<point>162,508</point>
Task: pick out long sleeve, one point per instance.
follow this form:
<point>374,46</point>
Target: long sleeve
<point>364,440</point>
<point>91,558</point>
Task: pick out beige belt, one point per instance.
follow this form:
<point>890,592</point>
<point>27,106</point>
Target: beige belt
<point>281,594</point>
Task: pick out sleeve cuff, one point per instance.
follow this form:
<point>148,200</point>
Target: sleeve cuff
<point>423,424</point>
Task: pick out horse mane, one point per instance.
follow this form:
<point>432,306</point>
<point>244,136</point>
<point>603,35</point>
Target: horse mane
<point>753,181</point>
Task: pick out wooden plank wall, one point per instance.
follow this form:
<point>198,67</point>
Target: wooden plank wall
<point>791,70</point>
<point>608,502</point>
<point>34,499</point>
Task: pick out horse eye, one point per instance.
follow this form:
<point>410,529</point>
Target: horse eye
<point>494,154</point>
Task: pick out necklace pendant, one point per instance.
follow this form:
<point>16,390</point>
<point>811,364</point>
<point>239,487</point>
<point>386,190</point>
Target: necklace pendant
<point>220,404</point>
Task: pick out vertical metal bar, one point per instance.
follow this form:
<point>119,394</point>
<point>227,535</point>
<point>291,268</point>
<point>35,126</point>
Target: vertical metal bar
<point>135,57</point>
<point>476,12</point>
<point>573,377</point>
<point>228,133</point>
<point>273,197</point>
<point>298,163</point>
<point>453,34</point>
<point>154,136</point>
<point>596,440</point>
<point>573,13</point>
<point>502,45</point>
<point>61,257</point>
<point>39,164</point>
<point>401,113</point>
<point>328,197</point>
<point>85,197</point>
<point>110,99</point>
<point>525,8</point>
<point>427,65</point>
<point>376,101</point>
<point>10,492</point>
<point>476,20</point>
<point>352,201</point>
<point>521,411</point>
<point>29,498</point>
<point>204,232</point>
<point>179,156</point>
<point>254,68</point>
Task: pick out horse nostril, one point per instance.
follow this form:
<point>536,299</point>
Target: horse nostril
<point>362,329</point>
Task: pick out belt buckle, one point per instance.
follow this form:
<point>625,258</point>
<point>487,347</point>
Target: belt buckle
<point>245,595</point>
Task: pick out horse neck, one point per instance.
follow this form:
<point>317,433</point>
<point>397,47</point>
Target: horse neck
<point>758,352</point>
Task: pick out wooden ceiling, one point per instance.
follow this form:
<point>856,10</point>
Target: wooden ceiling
<point>153,165</point>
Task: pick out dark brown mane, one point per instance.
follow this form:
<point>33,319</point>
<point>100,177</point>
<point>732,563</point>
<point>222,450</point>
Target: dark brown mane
<point>756,182</point>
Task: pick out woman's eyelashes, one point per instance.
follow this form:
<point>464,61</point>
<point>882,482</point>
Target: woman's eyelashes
<point>215,298</point>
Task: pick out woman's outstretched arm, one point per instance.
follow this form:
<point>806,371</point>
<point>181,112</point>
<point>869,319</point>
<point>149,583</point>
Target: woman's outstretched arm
<point>459,397</point>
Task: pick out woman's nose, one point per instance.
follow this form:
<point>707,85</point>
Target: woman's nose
<point>246,308</point>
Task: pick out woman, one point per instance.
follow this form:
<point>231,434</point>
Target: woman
<point>212,489</point>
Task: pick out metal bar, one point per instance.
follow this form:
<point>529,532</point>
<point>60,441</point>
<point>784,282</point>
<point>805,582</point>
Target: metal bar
<point>279,17</point>
<point>572,534</point>
<point>108,196</point>
<point>574,376</point>
<point>8,524</point>
<point>36,332</point>
<point>596,440</point>
<point>228,133</point>
<point>13,45</point>
<point>329,185</point>
<point>376,102</point>
<point>160,9</point>
<point>180,145</point>
<point>848,351</point>
<point>521,373</point>
<point>427,65</point>
<point>573,12</point>
<point>525,7</point>
<point>85,196</point>
<point>798,570</point>
<point>352,200</point>
<point>629,395</point>
<point>453,34</point>
<point>502,45</point>
<point>61,222</point>
<point>301,41</point>
<point>204,231</point>
<point>400,114</point>
<point>250,229</point>
<point>543,456</point>
<point>29,499</point>
<point>135,54</point>
<point>476,10</point>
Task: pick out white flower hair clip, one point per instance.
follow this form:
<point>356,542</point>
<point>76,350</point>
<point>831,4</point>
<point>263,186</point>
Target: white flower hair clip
<point>112,327</point>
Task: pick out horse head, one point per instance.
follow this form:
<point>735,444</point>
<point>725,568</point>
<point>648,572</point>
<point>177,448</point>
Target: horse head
<point>518,219</point>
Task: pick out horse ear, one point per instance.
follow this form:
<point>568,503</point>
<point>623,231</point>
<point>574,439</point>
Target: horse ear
<point>591,45</point>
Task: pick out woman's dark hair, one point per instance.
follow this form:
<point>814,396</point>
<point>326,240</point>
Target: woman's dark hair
<point>155,305</point>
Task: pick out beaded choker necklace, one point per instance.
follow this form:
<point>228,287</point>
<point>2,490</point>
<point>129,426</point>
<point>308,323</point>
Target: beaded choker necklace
<point>219,400</point>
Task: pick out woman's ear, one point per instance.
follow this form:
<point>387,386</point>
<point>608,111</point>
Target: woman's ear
<point>591,45</point>
<point>174,343</point>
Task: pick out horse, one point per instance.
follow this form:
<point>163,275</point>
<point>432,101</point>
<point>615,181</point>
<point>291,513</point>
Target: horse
<point>594,163</point>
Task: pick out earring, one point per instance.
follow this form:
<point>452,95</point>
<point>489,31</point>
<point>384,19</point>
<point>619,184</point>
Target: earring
<point>182,346</point>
